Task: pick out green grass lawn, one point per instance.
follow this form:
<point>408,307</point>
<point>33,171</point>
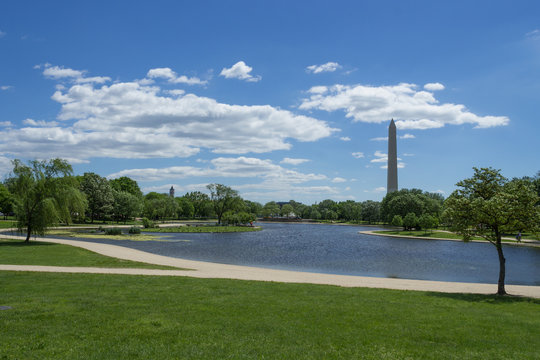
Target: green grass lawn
<point>16,252</point>
<point>6,224</point>
<point>203,229</point>
<point>422,233</point>
<point>88,316</point>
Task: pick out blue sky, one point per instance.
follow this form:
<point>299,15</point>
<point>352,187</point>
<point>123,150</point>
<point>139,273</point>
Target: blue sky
<point>279,99</point>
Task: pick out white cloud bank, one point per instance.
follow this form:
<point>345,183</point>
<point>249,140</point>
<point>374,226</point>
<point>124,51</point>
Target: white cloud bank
<point>328,67</point>
<point>172,77</point>
<point>132,120</point>
<point>293,161</point>
<point>410,107</point>
<point>240,71</point>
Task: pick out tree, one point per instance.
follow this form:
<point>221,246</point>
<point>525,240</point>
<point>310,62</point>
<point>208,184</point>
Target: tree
<point>410,221</point>
<point>126,205</point>
<point>185,207</point>
<point>224,199</point>
<point>126,184</point>
<point>201,203</point>
<point>6,201</point>
<point>397,221</point>
<point>271,209</point>
<point>427,222</point>
<point>38,192</point>
<point>98,194</point>
<point>159,206</point>
<point>371,211</point>
<point>287,210</point>
<point>487,204</point>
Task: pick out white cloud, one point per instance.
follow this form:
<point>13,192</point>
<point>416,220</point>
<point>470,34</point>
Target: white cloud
<point>534,34</point>
<point>328,67</point>
<point>412,109</point>
<point>339,180</point>
<point>39,123</point>
<point>129,120</point>
<point>240,71</point>
<point>434,86</point>
<point>5,87</point>
<point>382,138</point>
<point>172,77</point>
<point>240,167</point>
<point>5,123</point>
<point>293,161</point>
<point>5,166</point>
<point>358,155</point>
<point>345,138</point>
<point>407,136</point>
<point>59,72</point>
<point>380,157</point>
<point>376,190</point>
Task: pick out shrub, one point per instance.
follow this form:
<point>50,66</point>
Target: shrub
<point>113,231</point>
<point>148,223</point>
<point>134,230</point>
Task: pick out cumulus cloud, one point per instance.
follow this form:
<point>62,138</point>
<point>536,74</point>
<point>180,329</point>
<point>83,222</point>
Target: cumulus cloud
<point>240,167</point>
<point>382,158</point>
<point>172,77</point>
<point>5,123</point>
<point>39,123</point>
<point>434,86</point>
<point>293,161</point>
<point>358,155</point>
<point>412,108</point>
<point>5,166</point>
<point>339,180</point>
<point>240,71</point>
<point>77,76</point>
<point>345,138</point>
<point>130,120</point>
<point>328,67</point>
<point>407,136</point>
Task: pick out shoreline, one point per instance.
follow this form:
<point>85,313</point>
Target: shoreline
<point>201,269</point>
<point>526,243</point>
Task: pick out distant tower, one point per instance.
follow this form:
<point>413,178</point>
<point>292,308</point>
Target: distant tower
<point>171,192</point>
<point>392,159</point>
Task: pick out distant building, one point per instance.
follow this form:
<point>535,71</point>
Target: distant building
<point>171,192</point>
<point>392,183</point>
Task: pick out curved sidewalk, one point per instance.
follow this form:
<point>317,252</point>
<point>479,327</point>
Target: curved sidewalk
<point>200,269</point>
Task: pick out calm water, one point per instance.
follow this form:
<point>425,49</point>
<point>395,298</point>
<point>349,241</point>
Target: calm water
<point>341,250</point>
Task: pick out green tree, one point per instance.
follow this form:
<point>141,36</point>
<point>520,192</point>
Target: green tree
<point>397,221</point>
<point>410,221</point>
<point>253,207</point>
<point>271,209</point>
<point>6,201</point>
<point>159,206</point>
<point>487,204</point>
<point>201,203</point>
<point>287,210</point>
<point>126,205</point>
<point>427,222</point>
<point>126,184</point>
<point>224,199</point>
<point>185,208</point>
<point>371,211</point>
<point>38,190</point>
<point>99,195</point>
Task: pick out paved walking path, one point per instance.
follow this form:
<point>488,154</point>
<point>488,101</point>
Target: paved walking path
<point>200,269</point>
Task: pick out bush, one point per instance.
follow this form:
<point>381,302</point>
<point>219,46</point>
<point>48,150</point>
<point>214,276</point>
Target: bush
<point>134,230</point>
<point>113,231</point>
<point>148,223</point>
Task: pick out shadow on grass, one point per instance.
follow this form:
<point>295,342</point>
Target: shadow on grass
<point>489,299</point>
<point>21,243</point>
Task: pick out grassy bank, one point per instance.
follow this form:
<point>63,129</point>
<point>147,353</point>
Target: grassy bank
<point>99,235</point>
<point>203,229</point>
<point>85,316</point>
<point>16,252</point>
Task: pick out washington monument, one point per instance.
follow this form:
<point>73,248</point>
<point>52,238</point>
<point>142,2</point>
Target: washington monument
<point>392,159</point>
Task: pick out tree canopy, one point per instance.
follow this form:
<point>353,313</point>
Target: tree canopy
<point>487,205</point>
<point>224,199</point>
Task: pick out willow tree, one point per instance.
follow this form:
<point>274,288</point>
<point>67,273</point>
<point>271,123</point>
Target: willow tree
<point>488,205</point>
<point>44,192</point>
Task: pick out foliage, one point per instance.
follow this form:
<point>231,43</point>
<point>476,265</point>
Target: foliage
<point>6,201</point>
<point>371,211</point>
<point>287,210</point>
<point>427,222</point>
<point>224,199</point>
<point>126,184</point>
<point>99,195</point>
<point>410,221</point>
<point>397,220</point>
<point>487,205</point>
<point>126,205</point>
<point>241,218</point>
<point>185,207</point>
<point>113,231</point>
<point>271,209</point>
<point>134,230</point>
<point>39,190</point>
<point>160,206</point>
<point>147,223</point>
<point>414,200</point>
<point>202,204</point>
<point>203,229</point>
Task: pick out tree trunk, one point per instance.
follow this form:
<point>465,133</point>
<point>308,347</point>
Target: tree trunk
<point>28,233</point>
<point>502,267</point>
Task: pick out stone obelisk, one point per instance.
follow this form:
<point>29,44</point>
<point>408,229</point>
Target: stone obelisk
<point>392,159</point>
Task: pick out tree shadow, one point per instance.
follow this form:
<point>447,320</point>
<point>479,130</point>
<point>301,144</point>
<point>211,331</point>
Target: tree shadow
<point>22,243</point>
<point>488,299</point>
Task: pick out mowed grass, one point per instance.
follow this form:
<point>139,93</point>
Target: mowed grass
<point>16,252</point>
<point>88,316</point>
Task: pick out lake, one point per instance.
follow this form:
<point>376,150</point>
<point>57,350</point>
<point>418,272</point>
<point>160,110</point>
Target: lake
<point>341,250</point>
